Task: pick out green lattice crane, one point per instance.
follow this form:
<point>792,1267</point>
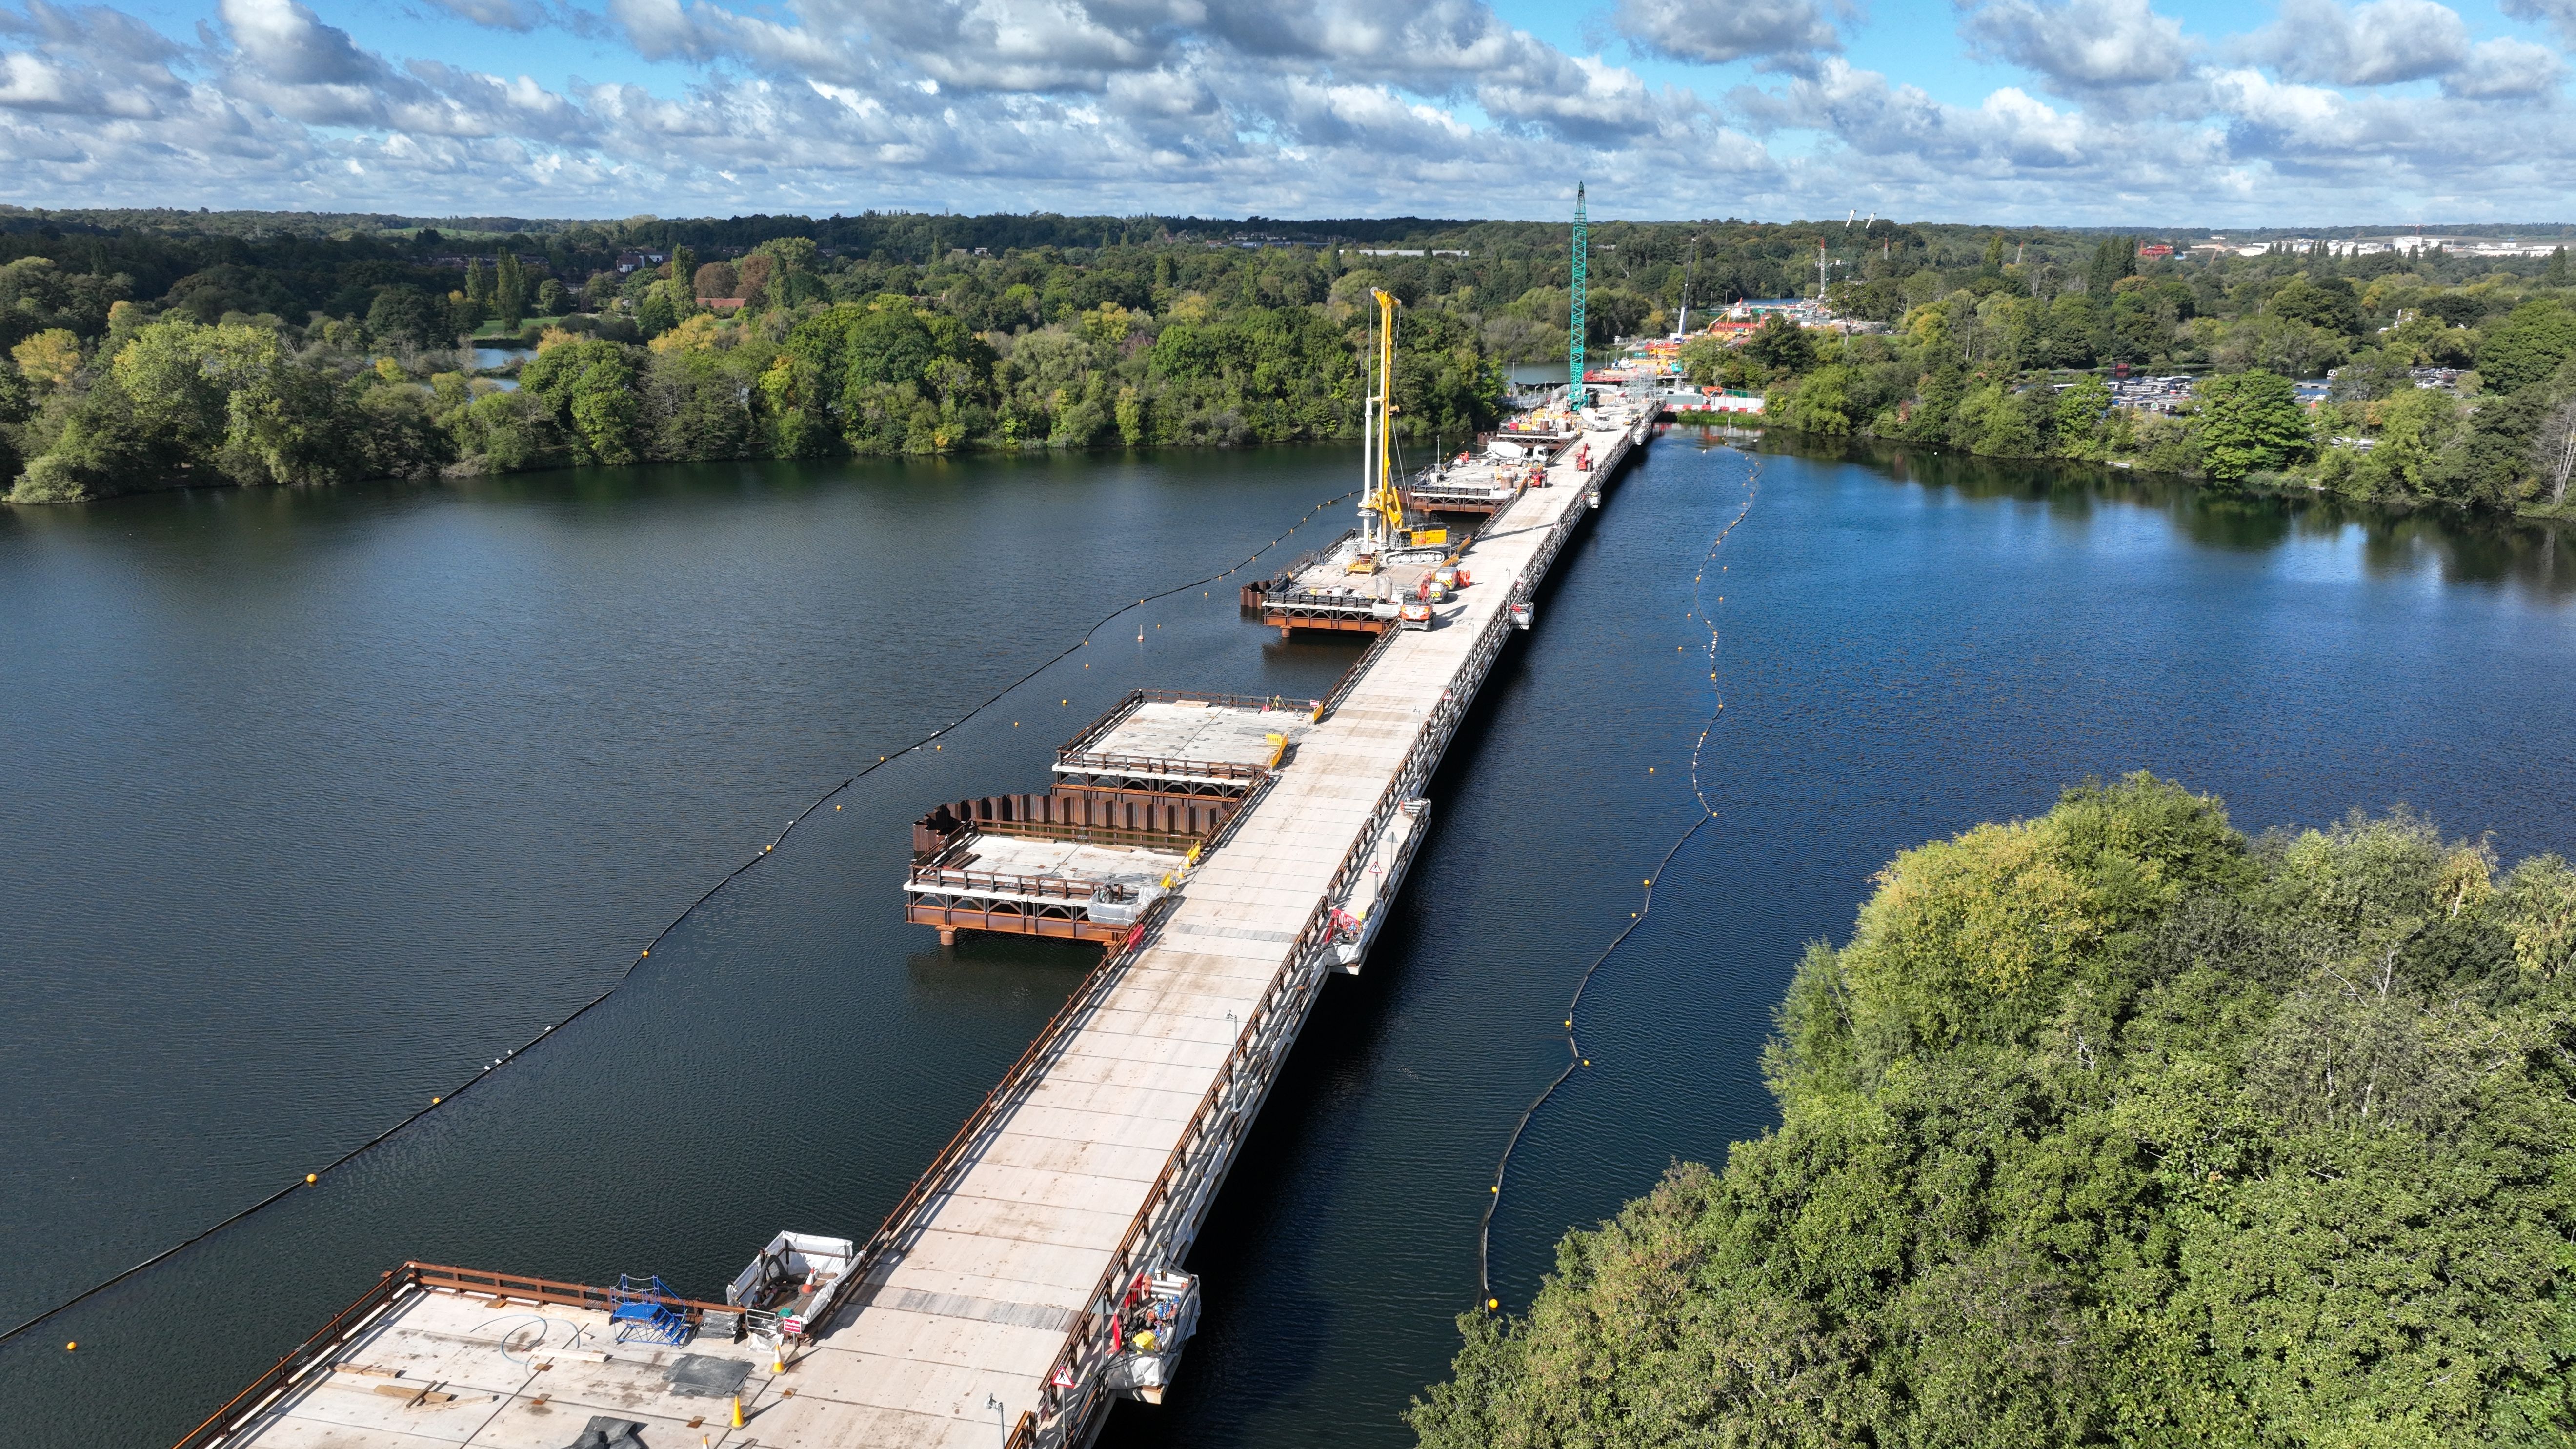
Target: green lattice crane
<point>1574,328</point>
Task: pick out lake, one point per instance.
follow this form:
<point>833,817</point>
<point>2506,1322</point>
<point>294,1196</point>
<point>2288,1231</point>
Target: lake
<point>321,801</point>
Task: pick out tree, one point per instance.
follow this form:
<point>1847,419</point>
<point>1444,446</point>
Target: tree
<point>50,358</point>
<point>509,291</point>
<point>2080,413</point>
<point>2250,422</point>
<point>2110,1127</point>
<point>2527,346</point>
<point>2114,258</point>
<point>2418,427</point>
<point>2330,304</point>
<point>552,298</point>
<point>794,253</point>
<point>407,314</point>
<point>716,279</point>
<point>2553,450</point>
<point>478,283</point>
<point>1701,357</point>
<point>591,388</point>
<point>1781,346</point>
<point>655,314</point>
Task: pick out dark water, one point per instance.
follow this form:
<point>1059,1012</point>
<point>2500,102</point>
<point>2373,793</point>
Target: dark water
<point>314,803</point>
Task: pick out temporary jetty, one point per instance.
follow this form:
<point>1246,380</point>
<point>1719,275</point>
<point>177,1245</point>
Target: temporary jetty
<point>1231,855</point>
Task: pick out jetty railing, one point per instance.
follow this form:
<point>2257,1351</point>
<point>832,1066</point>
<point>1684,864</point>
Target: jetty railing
<point>370,1306</point>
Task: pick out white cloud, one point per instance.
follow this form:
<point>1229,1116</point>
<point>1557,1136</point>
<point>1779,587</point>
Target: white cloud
<point>2506,69</point>
<point>1791,33</point>
<point>2558,14</point>
<point>2384,42</point>
<point>2082,45</point>
<point>518,15</point>
<point>1335,107</point>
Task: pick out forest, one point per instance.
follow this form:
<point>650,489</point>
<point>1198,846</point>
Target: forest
<point>2113,1126</point>
<point>154,349</point>
<point>2452,381</point>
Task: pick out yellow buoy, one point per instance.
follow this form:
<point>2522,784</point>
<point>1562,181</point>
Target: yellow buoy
<point>72,1347</point>
<point>1493,1303</point>
<point>310,1177</point>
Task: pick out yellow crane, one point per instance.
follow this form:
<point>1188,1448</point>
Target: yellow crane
<point>1381,501</point>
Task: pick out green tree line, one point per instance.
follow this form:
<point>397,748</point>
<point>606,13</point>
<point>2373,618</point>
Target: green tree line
<point>1089,331</point>
<point>2003,363</point>
<point>776,352</point>
<point>2110,1127</point>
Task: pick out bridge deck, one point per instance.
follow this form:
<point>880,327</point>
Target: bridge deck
<point>1003,1261</point>
<point>990,1277</point>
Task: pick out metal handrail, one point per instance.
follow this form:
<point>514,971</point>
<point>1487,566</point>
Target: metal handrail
<point>1350,679</point>
<point>1178,842</point>
<point>1161,765</point>
<point>549,1290</point>
<point>976,882</point>
<point>305,1355</point>
<point>346,1324</point>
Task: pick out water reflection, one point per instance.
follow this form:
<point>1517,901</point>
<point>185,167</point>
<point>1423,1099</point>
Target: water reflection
<point>2463,547</point>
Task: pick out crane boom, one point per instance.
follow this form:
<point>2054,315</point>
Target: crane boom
<point>1383,499</point>
<point>1574,326</point>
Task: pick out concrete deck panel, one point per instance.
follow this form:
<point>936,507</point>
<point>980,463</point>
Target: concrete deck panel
<point>1201,732</point>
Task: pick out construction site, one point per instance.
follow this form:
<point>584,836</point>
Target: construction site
<point>1228,856</point>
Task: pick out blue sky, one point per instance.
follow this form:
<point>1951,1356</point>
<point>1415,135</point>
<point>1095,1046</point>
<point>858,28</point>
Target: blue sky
<point>2092,112</point>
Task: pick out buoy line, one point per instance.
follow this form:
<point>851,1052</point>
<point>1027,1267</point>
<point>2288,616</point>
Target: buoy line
<point>1574,1056</point>
<point>313,1178</point>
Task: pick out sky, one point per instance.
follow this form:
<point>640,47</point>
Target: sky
<point>2069,112</point>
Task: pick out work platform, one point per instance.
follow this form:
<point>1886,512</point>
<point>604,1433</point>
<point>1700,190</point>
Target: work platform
<point>1322,591</point>
<point>1070,883</point>
<point>1170,742</point>
<point>1033,1274</point>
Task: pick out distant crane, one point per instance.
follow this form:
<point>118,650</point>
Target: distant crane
<point>1574,327</point>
